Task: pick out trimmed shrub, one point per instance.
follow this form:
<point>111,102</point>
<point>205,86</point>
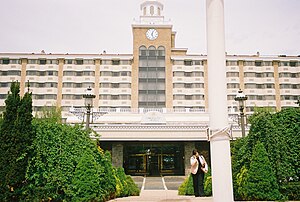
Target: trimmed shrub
<point>85,183</point>
<point>291,190</point>
<point>261,182</point>
<point>125,184</point>
<point>186,188</point>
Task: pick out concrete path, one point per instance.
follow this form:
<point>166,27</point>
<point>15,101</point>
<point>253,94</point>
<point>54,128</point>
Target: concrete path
<point>163,196</point>
<point>161,189</point>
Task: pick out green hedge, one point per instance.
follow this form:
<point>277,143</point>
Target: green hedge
<point>186,188</point>
<point>125,185</point>
<point>291,190</point>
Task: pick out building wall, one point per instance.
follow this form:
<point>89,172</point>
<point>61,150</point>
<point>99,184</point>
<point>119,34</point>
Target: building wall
<point>267,81</point>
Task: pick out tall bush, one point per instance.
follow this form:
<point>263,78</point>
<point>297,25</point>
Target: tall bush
<point>62,154</point>
<point>279,132</point>
<point>16,138</point>
<point>261,182</point>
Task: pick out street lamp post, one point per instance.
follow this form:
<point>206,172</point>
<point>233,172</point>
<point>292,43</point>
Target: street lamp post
<point>88,96</point>
<point>240,97</point>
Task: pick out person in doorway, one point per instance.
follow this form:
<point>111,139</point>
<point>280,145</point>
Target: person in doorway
<point>198,168</point>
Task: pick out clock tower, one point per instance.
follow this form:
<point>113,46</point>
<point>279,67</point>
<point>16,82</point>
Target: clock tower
<point>153,40</point>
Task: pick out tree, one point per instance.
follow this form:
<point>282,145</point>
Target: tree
<point>261,182</point>
<point>85,183</point>
<point>279,132</point>
<point>16,139</point>
<point>62,154</point>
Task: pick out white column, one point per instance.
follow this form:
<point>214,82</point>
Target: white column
<point>217,103</point>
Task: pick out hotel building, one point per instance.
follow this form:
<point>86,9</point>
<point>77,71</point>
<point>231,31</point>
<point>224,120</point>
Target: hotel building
<point>151,106</point>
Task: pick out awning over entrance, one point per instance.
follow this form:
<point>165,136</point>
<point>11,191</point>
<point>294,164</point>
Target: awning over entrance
<point>151,132</point>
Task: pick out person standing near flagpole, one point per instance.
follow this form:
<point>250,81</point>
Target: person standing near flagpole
<point>198,168</point>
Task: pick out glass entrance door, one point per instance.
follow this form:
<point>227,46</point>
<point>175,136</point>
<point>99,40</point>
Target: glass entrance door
<point>153,159</point>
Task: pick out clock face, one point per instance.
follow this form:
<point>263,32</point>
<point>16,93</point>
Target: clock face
<point>152,34</point>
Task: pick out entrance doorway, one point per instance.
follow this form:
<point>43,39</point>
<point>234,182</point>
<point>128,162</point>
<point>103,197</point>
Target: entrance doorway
<point>153,159</point>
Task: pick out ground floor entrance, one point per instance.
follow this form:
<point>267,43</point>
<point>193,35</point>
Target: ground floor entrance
<point>154,159</point>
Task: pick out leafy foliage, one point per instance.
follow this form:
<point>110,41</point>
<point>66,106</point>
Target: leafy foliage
<point>63,157</point>
<point>125,184</point>
<point>260,182</point>
<point>85,183</point>
<point>279,132</point>
<point>16,138</point>
<point>186,188</point>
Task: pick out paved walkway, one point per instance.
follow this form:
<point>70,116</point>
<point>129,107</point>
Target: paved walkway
<point>163,196</point>
<point>161,189</point>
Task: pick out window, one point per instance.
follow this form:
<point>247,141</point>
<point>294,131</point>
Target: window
<point>115,62</point>
<point>260,97</point>
<point>143,51</point>
<point>232,74</point>
<point>259,75</point>
<point>3,96</point>
<point>69,62</point>
<point>233,85</point>
<point>161,51</point>
<point>152,51</point>
<point>269,74</point>
<point>249,63</point>
<point>52,62</point>
<point>125,73</point>
<point>78,85</point>
<point>267,63</point>
<point>104,85</point>
<point>78,73</point>
<point>188,74</point>
<point>114,97</point>
<point>270,85</point>
<point>42,61</point>
<point>249,74</point>
<point>79,62</point>
<point>4,84</point>
<point>284,74</point>
<point>5,61</point>
<point>188,85</point>
<point>258,63</point>
<point>115,74</point>
<point>250,85</point>
<point>231,63</point>
<point>32,61</point>
<point>188,97</point>
<point>260,86</point>
<point>115,85</point>
<point>283,63</point>
<point>188,62</point>
<point>293,64</point>
<point>10,73</point>
<point>69,73</point>
<point>88,62</point>
<point>198,62</point>
<point>125,62</point>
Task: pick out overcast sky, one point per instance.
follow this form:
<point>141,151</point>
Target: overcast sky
<point>271,27</point>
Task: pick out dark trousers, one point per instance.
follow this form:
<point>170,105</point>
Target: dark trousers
<point>198,180</point>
